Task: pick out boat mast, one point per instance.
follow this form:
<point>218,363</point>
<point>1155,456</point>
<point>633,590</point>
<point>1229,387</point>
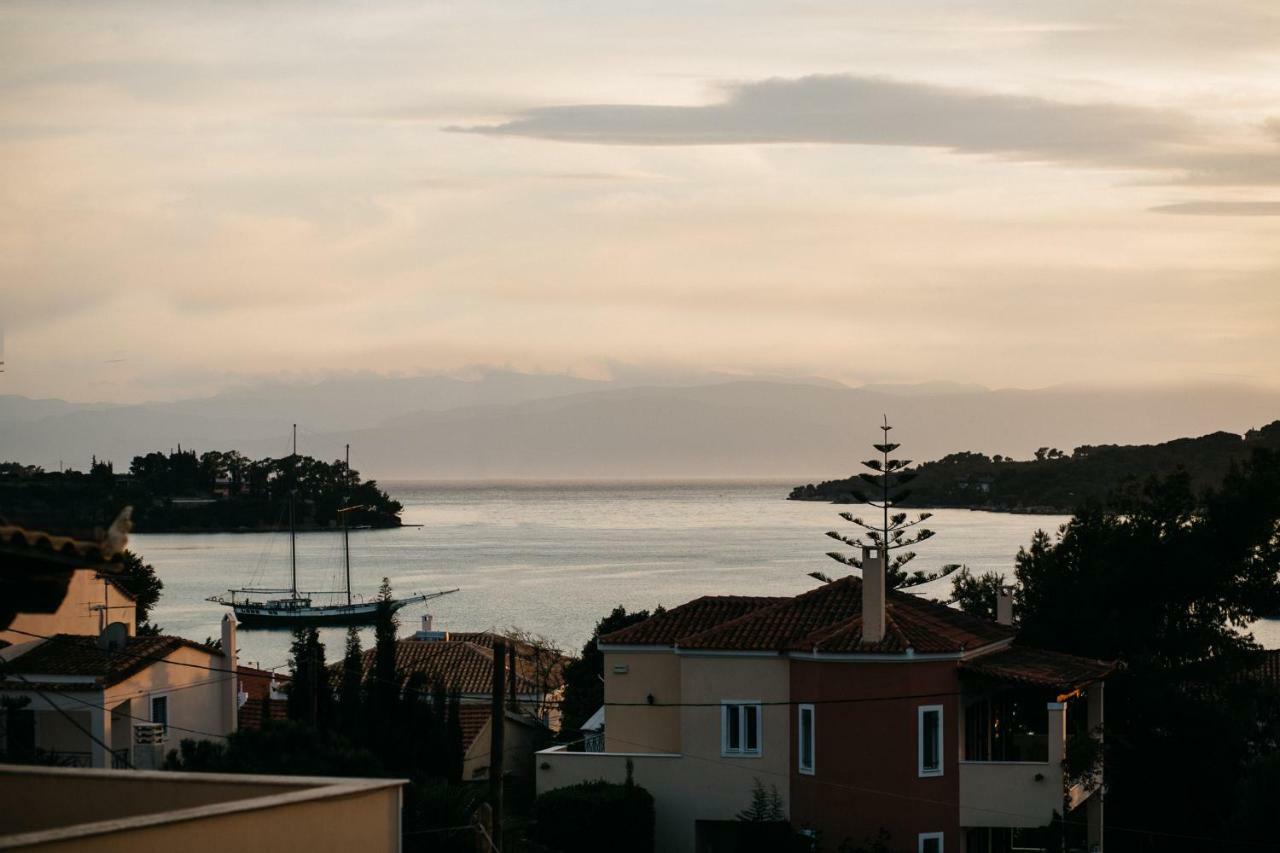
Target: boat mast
<point>293,536</point>
<point>346,540</point>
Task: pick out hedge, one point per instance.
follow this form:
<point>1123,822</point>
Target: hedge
<point>593,816</point>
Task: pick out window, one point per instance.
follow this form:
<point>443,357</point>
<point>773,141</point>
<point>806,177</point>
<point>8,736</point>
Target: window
<point>929,842</point>
<point>805,727</point>
<point>930,745</point>
<point>160,711</point>
<point>740,728</point>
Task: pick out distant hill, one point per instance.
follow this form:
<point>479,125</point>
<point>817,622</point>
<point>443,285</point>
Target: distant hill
<point>184,491</point>
<point>1059,481</point>
<point>504,425</point>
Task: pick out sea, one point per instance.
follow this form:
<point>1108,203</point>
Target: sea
<point>553,558</point>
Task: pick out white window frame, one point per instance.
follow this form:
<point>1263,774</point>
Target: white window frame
<point>741,751</point>
<point>942,762</point>
<point>168,711</point>
<point>813,740</point>
<point>930,836</point>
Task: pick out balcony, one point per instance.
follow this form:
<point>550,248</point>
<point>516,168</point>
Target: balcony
<point>1010,793</point>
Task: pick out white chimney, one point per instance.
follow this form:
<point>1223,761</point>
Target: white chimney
<point>231,679</point>
<point>426,621</point>
<point>872,596</point>
<point>1004,605</point>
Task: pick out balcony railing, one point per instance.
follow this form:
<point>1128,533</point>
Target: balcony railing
<point>72,758</point>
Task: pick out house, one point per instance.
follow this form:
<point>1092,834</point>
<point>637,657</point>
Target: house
<point>85,692</point>
<point>463,661</point>
<point>76,680</point>
<point>93,600</point>
<point>68,697</point>
<point>867,710</point>
<point>262,697</point>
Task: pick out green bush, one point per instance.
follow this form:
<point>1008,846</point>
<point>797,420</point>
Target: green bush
<point>593,816</point>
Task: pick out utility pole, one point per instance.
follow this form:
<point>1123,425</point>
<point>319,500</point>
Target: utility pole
<point>511,666</point>
<point>497,726</point>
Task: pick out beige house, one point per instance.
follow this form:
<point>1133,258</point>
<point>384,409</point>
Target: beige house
<point>70,696</point>
<point>52,810</point>
<point>92,602</point>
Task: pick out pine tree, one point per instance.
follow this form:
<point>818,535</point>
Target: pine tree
<point>383,688</point>
<point>895,530</point>
<point>310,696</point>
<point>350,694</point>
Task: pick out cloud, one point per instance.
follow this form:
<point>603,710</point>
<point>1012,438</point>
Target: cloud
<point>1221,208</point>
<point>852,110</point>
<point>848,110</point>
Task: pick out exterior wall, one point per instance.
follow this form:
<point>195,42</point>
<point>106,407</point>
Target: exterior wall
<point>697,783</point>
<point>519,743</point>
<point>128,811</point>
<point>705,682</point>
<point>198,698</point>
<point>865,756</point>
<point>666,777</point>
<point>1016,793</point>
<point>1008,793</point>
<point>74,616</point>
<point>645,728</point>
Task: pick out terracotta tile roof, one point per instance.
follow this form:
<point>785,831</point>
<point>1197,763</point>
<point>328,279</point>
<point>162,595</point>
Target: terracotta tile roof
<point>829,619</point>
<point>75,655</point>
<point>256,684</point>
<point>1038,667</point>
<point>36,567</point>
<point>464,664</point>
<point>473,717</point>
<point>693,617</point>
<point>78,553</point>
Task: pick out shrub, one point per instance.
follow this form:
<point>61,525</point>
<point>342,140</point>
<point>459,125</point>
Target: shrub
<point>593,816</point>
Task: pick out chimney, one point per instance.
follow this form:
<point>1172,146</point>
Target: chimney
<point>872,596</point>
<point>231,681</point>
<point>426,622</point>
<point>1004,605</point>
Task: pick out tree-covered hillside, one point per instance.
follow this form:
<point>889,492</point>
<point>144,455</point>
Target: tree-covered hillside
<point>1056,481</point>
<point>183,491</point>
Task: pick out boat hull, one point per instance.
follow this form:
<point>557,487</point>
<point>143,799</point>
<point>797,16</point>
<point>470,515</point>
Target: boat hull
<point>263,617</point>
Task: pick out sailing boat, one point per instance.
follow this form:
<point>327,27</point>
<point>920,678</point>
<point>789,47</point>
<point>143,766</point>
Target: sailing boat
<point>298,608</point>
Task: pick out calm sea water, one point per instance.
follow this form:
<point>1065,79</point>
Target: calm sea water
<point>554,558</point>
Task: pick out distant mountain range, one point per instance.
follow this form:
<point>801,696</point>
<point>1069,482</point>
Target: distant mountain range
<point>503,425</point>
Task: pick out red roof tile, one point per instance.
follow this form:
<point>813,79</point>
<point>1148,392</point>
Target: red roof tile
<point>71,654</point>
<point>66,549</point>
<point>829,619</point>
<point>693,617</point>
<point>256,684</point>
<point>454,663</point>
<point>473,717</point>
<point>1038,667</point>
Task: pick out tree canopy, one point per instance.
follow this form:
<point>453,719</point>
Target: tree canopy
<point>1166,580</point>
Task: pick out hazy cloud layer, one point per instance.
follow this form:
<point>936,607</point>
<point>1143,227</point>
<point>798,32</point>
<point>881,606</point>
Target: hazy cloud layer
<point>853,110</point>
<point>1222,208</point>
<point>195,193</point>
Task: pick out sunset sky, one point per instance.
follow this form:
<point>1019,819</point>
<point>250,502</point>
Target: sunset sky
<point>1014,193</point>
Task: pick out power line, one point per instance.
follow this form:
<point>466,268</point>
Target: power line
<point>71,719</point>
<point>113,711</point>
<point>552,702</point>
<point>915,798</point>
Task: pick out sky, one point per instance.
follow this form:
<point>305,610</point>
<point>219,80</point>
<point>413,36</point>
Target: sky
<point>195,195</point>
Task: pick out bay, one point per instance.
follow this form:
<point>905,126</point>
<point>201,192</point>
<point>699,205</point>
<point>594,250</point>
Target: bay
<point>552,558</point>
